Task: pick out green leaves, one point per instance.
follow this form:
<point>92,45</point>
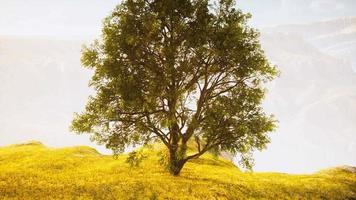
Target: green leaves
<point>176,70</point>
<point>135,158</point>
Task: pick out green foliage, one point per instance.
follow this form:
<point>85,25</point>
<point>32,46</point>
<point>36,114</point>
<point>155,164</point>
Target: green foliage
<point>177,71</point>
<point>135,158</point>
<point>163,158</point>
<point>33,171</point>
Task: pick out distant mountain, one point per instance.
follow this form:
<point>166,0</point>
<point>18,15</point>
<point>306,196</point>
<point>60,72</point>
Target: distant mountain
<point>314,98</point>
<point>42,84</point>
<point>336,37</point>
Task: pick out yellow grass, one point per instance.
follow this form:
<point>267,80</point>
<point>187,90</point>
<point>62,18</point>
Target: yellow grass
<point>33,171</point>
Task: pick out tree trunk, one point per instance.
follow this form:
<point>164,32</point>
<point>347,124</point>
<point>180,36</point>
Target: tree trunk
<point>176,160</point>
<point>175,166</point>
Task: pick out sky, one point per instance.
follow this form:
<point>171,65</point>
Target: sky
<point>65,18</point>
<point>82,19</point>
<point>278,12</point>
<point>78,18</point>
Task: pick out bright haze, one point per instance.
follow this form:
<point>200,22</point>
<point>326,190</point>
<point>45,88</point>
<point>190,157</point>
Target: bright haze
<point>313,42</point>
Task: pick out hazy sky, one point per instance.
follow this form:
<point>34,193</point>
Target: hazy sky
<point>276,12</point>
<point>53,17</point>
<point>83,17</point>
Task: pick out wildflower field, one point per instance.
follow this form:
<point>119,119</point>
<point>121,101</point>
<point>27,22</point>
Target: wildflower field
<point>34,171</point>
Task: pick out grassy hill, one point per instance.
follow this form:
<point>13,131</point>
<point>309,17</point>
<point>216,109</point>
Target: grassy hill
<point>34,171</point>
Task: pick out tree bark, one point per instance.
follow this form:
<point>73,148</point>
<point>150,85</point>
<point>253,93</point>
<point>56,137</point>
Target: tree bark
<point>175,165</point>
<point>177,159</point>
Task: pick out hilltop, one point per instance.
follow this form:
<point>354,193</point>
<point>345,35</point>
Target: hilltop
<point>34,171</point>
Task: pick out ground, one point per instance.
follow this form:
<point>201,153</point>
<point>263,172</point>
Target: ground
<point>34,171</point>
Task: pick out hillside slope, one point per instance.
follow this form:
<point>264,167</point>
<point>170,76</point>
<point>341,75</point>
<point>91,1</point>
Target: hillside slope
<point>34,171</point>
<point>314,99</point>
<point>335,37</point>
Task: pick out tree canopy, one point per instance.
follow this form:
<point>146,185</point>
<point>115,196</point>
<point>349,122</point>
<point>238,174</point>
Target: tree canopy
<point>178,71</point>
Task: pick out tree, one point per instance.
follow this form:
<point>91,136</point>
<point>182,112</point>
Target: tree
<point>178,71</point>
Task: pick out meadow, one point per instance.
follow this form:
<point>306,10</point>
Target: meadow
<point>34,171</point>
